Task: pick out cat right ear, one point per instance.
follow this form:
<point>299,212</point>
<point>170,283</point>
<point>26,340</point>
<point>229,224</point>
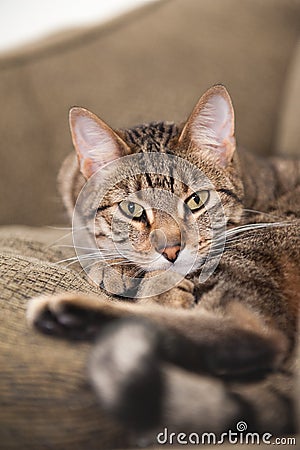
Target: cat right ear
<point>95,142</point>
<point>210,127</point>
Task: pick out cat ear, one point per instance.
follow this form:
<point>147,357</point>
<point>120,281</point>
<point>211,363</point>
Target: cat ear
<point>95,142</point>
<point>210,127</point>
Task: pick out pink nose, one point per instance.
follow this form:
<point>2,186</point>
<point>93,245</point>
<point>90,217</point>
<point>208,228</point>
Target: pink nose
<point>170,253</point>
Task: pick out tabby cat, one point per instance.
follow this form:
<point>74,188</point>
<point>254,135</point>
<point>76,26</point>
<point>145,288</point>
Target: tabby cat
<point>173,350</point>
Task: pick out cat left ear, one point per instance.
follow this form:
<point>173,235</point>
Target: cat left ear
<point>95,142</point>
<point>210,127</point>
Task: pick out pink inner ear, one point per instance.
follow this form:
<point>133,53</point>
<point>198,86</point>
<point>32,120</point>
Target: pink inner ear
<point>223,119</point>
<point>214,123</point>
<point>95,144</point>
<point>212,128</point>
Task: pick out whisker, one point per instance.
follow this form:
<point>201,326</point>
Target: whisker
<point>75,247</point>
<point>64,236</point>
<point>74,262</point>
<point>115,263</point>
<point>53,244</point>
<point>67,259</point>
<point>78,258</point>
<point>254,211</point>
<point>51,227</point>
<point>138,273</point>
<point>253,226</point>
<point>239,234</point>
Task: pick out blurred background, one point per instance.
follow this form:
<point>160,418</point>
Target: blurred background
<point>133,61</point>
<point>22,23</point>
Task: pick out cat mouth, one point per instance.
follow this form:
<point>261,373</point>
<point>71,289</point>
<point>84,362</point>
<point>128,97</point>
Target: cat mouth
<point>185,263</point>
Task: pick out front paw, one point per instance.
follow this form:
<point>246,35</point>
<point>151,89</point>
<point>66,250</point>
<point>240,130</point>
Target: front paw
<point>115,281</point>
<point>71,316</point>
<point>168,289</point>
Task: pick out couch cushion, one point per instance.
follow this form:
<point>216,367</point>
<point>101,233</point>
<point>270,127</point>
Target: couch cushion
<point>150,64</point>
<point>46,402</point>
<point>288,138</point>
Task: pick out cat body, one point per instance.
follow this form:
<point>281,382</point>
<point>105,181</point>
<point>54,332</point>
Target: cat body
<point>176,350</point>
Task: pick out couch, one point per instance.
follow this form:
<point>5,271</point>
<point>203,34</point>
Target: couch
<point>152,63</point>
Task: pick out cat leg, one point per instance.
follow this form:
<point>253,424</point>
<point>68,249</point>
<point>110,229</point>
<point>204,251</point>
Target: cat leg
<point>81,316</point>
<point>230,343</point>
<point>134,384</point>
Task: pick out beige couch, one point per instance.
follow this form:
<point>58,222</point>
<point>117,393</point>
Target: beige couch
<point>150,64</point>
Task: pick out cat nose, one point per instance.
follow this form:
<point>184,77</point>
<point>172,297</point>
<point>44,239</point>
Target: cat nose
<point>171,253</point>
<point>168,248</point>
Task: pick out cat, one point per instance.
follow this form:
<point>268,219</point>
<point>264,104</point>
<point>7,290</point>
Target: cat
<point>172,351</point>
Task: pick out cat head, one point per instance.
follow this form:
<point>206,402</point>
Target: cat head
<point>156,211</point>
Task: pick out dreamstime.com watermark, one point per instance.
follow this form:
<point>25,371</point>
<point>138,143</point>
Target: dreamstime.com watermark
<point>238,436</point>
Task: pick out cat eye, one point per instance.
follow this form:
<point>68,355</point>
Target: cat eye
<point>197,200</point>
<point>131,209</point>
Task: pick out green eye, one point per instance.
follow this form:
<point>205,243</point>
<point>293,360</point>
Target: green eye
<point>197,200</point>
<point>131,209</point>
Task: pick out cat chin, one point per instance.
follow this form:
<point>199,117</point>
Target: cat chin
<point>160,264</point>
<point>181,267</point>
<point>186,263</point>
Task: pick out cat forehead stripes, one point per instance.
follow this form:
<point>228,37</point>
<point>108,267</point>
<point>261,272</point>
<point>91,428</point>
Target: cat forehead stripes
<point>152,137</point>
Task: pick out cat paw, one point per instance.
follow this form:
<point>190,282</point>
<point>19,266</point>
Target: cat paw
<point>113,281</point>
<point>124,371</point>
<point>67,315</point>
<point>181,295</point>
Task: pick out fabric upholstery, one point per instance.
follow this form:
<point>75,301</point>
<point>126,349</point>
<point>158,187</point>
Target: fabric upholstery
<point>46,402</point>
<point>288,140</point>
